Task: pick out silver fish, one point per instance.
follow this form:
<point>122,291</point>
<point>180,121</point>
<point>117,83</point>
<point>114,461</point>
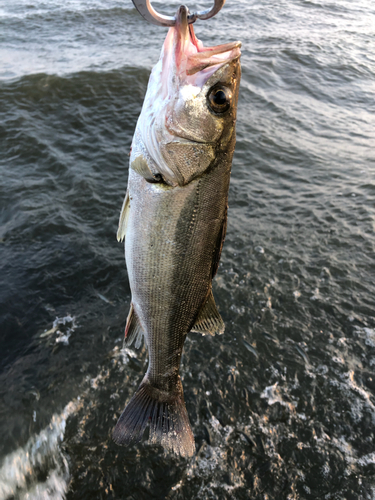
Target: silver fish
<point>174,220</point>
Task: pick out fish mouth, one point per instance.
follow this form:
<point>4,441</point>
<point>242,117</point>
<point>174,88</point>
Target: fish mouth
<point>212,56</point>
<point>206,57</point>
<point>193,62</point>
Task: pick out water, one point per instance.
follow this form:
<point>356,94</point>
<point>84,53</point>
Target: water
<point>282,406</point>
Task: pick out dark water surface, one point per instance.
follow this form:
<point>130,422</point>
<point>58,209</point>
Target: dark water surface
<point>283,405</point>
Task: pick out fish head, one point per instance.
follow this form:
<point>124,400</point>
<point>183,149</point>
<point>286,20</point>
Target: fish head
<point>189,113</point>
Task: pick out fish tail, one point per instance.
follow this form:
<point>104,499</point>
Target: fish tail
<point>166,415</point>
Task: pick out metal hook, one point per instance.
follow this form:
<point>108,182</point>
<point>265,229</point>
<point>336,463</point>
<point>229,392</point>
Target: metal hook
<point>147,11</point>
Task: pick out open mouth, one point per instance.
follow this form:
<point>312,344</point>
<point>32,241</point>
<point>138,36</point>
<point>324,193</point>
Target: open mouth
<point>190,57</point>
<point>210,56</point>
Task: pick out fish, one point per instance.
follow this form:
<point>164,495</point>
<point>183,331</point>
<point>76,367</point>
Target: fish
<point>173,220</point>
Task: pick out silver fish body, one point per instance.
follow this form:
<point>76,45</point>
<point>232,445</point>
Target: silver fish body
<point>174,223</point>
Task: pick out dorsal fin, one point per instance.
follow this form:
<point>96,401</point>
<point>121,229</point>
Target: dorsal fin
<point>124,216</point>
<point>133,329</point>
<point>209,320</point>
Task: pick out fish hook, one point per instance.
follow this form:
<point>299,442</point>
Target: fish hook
<point>147,11</point>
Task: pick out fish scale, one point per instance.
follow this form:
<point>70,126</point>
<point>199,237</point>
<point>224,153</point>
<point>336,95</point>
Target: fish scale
<point>174,221</point>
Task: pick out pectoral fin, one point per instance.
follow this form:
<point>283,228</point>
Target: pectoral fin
<point>209,320</point>
<point>124,216</point>
<point>140,165</point>
<point>133,329</point>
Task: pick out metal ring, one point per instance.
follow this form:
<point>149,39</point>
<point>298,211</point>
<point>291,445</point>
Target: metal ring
<point>148,13</point>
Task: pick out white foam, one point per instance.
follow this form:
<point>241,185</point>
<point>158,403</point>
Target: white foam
<point>273,395</point>
<point>368,334</point>
<point>18,476</point>
<point>123,355</point>
<point>210,459</point>
<point>367,459</point>
<point>361,391</point>
<point>63,327</point>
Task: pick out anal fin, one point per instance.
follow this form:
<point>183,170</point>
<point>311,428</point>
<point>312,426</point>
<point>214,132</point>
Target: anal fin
<point>133,329</point>
<point>209,320</point>
<point>124,216</point>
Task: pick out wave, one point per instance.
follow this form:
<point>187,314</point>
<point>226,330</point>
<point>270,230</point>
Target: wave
<point>39,470</point>
<point>43,10</point>
<point>41,85</point>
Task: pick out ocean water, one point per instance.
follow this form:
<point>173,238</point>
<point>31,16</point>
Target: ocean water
<point>283,405</point>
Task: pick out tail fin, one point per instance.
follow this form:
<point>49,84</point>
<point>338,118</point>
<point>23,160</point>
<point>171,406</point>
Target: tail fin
<point>164,412</point>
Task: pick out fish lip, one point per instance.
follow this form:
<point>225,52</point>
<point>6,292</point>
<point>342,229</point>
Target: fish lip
<point>225,47</point>
<point>206,57</point>
<point>189,31</point>
<point>190,55</point>
<point>204,64</point>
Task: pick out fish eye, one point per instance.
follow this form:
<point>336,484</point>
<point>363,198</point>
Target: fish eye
<point>219,99</point>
